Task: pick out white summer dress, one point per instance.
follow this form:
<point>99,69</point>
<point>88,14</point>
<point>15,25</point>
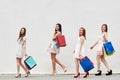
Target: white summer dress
<point>77,48</point>
<point>20,52</point>
<point>99,46</point>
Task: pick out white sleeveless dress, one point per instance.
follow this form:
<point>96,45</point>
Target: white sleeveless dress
<point>20,53</point>
<point>77,48</point>
<point>99,46</point>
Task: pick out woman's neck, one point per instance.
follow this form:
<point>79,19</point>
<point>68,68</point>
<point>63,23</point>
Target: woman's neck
<point>104,32</point>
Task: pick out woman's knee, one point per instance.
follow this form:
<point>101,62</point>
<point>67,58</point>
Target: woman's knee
<point>98,57</point>
<point>18,61</point>
<point>102,58</point>
<point>53,58</point>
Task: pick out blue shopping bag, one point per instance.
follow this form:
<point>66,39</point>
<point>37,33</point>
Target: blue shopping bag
<point>30,62</point>
<point>108,47</point>
<point>86,64</point>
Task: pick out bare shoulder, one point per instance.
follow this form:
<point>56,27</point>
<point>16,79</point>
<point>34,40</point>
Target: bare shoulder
<point>106,34</point>
<point>82,37</point>
<point>58,33</point>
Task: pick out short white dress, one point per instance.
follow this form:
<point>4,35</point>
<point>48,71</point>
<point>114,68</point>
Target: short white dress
<point>53,48</point>
<point>20,52</point>
<point>99,46</point>
<point>77,48</point>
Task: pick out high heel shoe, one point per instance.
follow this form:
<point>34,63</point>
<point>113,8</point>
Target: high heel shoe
<point>86,75</point>
<point>99,73</point>
<point>109,73</point>
<point>76,76</point>
<point>18,76</point>
<point>27,74</point>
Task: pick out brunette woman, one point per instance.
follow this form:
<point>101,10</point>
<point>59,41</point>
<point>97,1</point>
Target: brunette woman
<point>54,49</point>
<point>100,51</point>
<point>21,53</point>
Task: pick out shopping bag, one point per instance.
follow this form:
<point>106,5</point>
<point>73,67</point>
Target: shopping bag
<point>86,64</point>
<point>105,54</point>
<point>61,41</point>
<point>108,49</point>
<point>30,62</point>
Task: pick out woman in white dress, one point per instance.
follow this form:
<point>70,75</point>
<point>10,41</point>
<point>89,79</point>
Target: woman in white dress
<point>54,49</point>
<point>79,51</point>
<point>100,51</point>
<point>21,52</point>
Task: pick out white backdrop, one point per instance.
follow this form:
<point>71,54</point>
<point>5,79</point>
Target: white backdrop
<point>40,17</point>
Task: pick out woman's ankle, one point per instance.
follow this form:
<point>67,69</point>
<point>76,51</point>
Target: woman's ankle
<point>53,71</point>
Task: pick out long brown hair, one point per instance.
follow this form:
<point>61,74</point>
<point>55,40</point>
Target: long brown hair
<point>22,35</point>
<point>60,28</point>
<point>105,27</point>
<point>84,32</point>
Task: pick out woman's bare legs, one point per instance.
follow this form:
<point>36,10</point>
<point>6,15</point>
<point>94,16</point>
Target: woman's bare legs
<point>109,71</point>
<point>62,66</point>
<point>98,57</point>
<point>54,61</point>
<point>53,55</point>
<point>77,66</point>
<point>102,57</point>
<point>18,66</point>
<point>19,63</point>
<point>104,61</point>
<point>98,61</point>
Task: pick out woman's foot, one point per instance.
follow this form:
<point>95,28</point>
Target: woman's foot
<point>53,74</point>
<point>86,75</point>
<point>109,73</point>
<point>99,73</point>
<point>77,75</point>
<point>18,76</point>
<point>27,74</point>
<point>65,69</point>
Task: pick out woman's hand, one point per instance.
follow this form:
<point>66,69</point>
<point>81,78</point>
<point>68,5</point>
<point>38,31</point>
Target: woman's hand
<point>25,54</point>
<point>91,47</point>
<point>79,55</point>
<point>94,45</point>
<point>53,38</point>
